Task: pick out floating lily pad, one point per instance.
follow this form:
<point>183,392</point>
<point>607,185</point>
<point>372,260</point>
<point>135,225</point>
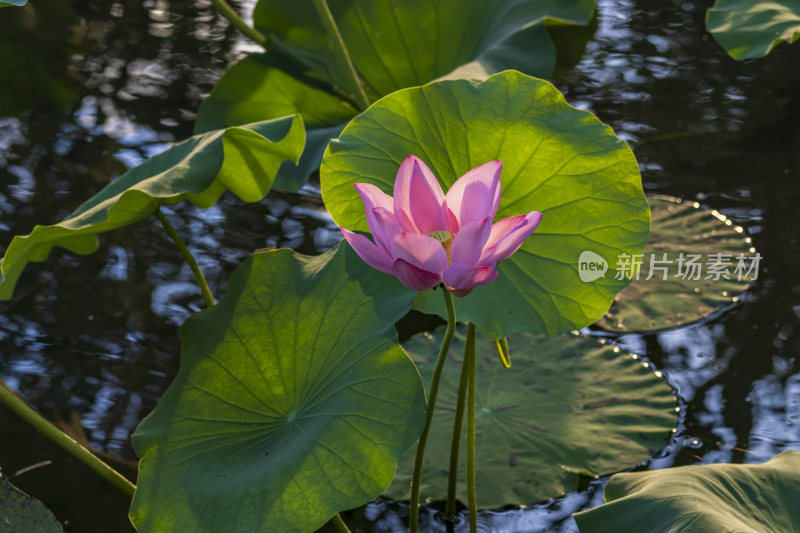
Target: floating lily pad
<point>568,406</point>
<point>19,513</point>
<point>255,89</point>
<point>749,29</point>
<point>702,499</point>
<point>395,45</point>
<point>243,160</point>
<point>688,235</point>
<point>556,159</point>
<point>293,401</point>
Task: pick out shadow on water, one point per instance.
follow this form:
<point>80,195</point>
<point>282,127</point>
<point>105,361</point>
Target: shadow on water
<point>98,87</point>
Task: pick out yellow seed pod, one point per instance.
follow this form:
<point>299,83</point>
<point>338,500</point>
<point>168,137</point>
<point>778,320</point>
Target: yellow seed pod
<point>441,236</point>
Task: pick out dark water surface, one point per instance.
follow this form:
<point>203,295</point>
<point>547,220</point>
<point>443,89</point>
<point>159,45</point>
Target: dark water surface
<point>89,89</point>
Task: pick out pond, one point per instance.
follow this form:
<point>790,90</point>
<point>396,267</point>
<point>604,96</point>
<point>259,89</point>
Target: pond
<point>92,89</point>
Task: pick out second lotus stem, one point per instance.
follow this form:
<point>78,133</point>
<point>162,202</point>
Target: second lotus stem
<point>472,499</point>
<point>433,391</point>
<point>458,425</point>
<point>233,17</point>
<point>339,524</point>
<point>187,255</point>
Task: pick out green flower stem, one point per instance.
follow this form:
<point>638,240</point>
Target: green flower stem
<point>251,33</point>
<point>339,523</point>
<point>346,63</point>
<point>18,405</point>
<point>198,274</point>
<point>473,371</point>
<point>458,425</point>
<point>413,511</point>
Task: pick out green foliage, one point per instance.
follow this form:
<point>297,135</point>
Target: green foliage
<point>293,401</point>
<point>19,513</point>
<point>702,499</point>
<point>568,405</point>
<point>243,160</point>
<point>299,73</point>
<point>256,89</point>
<point>556,159</point>
<point>749,29</point>
<point>680,228</point>
<point>395,45</point>
<point>9,3</point>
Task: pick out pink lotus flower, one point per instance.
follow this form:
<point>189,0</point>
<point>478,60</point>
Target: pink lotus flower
<point>425,237</point>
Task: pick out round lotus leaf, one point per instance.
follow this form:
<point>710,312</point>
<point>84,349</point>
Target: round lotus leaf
<point>556,159</point>
<point>293,401</point>
<point>19,513</point>
<point>749,29</point>
<point>702,499</point>
<point>568,406</point>
<point>695,263</point>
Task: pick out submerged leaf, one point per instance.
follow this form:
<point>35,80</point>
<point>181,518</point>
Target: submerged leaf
<point>685,242</point>
<point>293,401</point>
<point>569,406</point>
<point>702,499</point>
<point>556,159</point>
<point>749,29</point>
<point>19,513</point>
<point>243,160</point>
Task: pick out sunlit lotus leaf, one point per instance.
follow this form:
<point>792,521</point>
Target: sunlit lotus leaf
<point>19,513</point>
<point>293,401</point>
<point>749,29</point>
<point>556,159</point>
<point>686,242</point>
<point>702,499</point>
<point>395,45</point>
<point>243,160</point>
<point>568,406</point>
<point>256,89</point>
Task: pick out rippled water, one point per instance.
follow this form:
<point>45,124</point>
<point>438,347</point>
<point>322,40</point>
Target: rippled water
<point>98,88</point>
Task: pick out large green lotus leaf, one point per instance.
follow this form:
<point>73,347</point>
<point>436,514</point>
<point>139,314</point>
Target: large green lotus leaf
<point>293,401</point>
<point>556,159</point>
<point>749,29</point>
<point>19,513</point>
<point>243,160</point>
<point>568,406</point>
<point>255,89</point>
<point>8,3</point>
<point>679,232</point>
<point>395,45</point>
<point>702,499</point>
